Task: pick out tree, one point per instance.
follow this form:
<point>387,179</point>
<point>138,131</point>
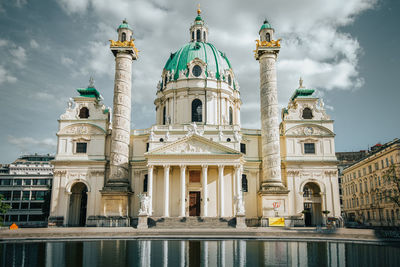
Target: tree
<point>392,180</point>
<point>4,207</point>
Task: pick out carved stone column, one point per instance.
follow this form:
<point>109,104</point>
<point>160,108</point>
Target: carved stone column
<point>119,157</point>
<point>183,191</point>
<point>166,190</point>
<point>205,190</point>
<point>221,190</point>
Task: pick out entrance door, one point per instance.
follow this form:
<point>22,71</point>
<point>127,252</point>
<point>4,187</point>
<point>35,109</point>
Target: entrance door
<point>194,203</point>
<point>77,205</point>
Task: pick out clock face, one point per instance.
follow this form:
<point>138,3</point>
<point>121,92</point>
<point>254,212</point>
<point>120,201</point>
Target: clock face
<point>308,131</point>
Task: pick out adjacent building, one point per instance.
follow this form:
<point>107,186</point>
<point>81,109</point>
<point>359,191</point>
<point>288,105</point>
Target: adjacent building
<point>366,191</point>
<point>25,184</point>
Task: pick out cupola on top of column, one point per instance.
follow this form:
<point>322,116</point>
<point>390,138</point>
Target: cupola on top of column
<point>266,32</point>
<point>198,30</point>
<point>125,32</point>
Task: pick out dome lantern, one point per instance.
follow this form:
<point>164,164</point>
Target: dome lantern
<point>198,31</point>
<point>266,32</point>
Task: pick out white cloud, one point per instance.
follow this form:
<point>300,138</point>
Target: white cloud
<point>20,3</point>
<point>34,44</point>
<point>66,61</point>
<point>5,76</point>
<point>26,144</point>
<point>19,54</point>
<point>3,42</point>
<point>314,45</point>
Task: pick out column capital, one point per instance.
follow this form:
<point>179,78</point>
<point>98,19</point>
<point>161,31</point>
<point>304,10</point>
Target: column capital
<point>237,166</point>
<point>150,166</point>
<point>182,166</point>
<point>166,166</point>
<point>221,166</point>
<point>204,166</point>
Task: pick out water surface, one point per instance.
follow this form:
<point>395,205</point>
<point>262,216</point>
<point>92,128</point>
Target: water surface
<point>196,253</point>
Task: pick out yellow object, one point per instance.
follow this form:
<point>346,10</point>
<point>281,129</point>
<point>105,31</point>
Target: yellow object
<point>13,226</point>
<point>276,221</point>
<point>198,9</point>
<point>265,44</point>
<point>123,44</point>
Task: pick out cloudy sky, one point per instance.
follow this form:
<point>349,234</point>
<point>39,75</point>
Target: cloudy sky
<point>348,50</point>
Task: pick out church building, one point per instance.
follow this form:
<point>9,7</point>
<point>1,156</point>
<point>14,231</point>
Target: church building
<point>195,163</point>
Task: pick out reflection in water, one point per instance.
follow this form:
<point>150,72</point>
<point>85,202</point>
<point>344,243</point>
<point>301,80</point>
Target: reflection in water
<point>196,253</point>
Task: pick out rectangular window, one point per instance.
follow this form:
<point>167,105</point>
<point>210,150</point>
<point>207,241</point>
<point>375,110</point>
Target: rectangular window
<point>391,160</point>
<point>387,162</point>
<point>369,169</point>
<point>309,148</point>
<point>37,206</point>
<point>81,147</point>
<point>25,195</point>
<point>364,171</point>
<point>27,181</point>
<point>16,195</point>
<point>359,173</point>
<point>6,195</point>
<point>5,182</point>
<point>24,205</point>
<point>147,147</point>
<point>243,148</point>
<point>15,206</point>
<point>23,218</point>
<point>376,166</point>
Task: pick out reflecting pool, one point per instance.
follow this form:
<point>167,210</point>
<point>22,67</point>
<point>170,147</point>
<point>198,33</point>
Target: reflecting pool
<point>196,253</point>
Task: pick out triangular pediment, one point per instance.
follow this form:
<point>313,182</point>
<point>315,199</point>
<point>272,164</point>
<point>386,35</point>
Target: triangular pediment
<point>194,144</point>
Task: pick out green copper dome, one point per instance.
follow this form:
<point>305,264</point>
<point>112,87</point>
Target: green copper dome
<point>216,61</point>
<point>124,25</point>
<point>266,25</point>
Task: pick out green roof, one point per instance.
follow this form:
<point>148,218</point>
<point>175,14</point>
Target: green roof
<point>124,25</point>
<point>198,17</point>
<point>89,92</point>
<point>302,93</point>
<point>216,61</point>
<point>266,25</point>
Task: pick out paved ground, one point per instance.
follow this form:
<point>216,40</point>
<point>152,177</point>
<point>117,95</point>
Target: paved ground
<point>85,233</point>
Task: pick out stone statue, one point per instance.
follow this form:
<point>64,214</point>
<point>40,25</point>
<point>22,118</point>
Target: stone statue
<point>144,204</point>
<point>70,103</point>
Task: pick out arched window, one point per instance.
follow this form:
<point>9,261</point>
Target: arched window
<point>204,36</point>
<point>307,192</point>
<point>165,81</point>
<point>192,36</point>
<point>229,80</point>
<point>307,114</point>
<point>230,116</point>
<point>268,37</point>
<point>123,38</point>
<point>198,36</point>
<point>164,120</point>
<point>84,113</point>
<point>145,183</point>
<point>197,110</point>
<point>244,183</point>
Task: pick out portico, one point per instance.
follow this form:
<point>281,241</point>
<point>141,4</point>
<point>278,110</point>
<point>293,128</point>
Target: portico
<point>203,181</point>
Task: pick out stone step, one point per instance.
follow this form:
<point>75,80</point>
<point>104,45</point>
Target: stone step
<point>191,222</point>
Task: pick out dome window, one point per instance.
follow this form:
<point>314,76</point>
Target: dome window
<point>197,110</point>
<point>204,36</point>
<point>84,113</point>
<point>164,115</point>
<point>123,38</point>
<point>230,116</point>
<point>307,114</point>
<point>196,71</point>
<point>192,36</point>
<point>198,36</point>
<point>230,80</point>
